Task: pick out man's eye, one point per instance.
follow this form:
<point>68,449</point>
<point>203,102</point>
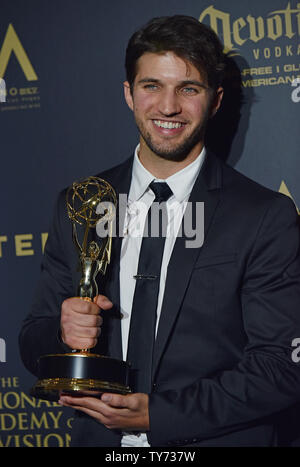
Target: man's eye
<point>189,91</point>
<point>151,87</point>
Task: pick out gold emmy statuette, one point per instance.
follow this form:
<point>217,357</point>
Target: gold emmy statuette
<point>81,372</point>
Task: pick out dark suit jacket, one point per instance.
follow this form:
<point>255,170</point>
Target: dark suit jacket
<point>231,309</point>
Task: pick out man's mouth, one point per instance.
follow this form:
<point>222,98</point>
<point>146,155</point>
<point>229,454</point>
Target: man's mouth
<point>168,125</point>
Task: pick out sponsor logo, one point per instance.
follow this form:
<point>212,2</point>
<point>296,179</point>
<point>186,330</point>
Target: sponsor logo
<point>24,96</point>
<point>29,422</point>
<point>268,38</point>
<point>235,33</point>
<point>26,244</point>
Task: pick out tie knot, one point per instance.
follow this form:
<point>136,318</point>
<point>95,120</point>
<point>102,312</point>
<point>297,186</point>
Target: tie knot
<point>161,190</point>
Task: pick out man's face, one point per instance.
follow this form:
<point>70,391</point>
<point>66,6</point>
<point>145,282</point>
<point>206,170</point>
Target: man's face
<point>171,103</point>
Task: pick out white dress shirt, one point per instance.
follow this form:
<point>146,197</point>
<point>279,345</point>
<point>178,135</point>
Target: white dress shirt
<point>139,200</point>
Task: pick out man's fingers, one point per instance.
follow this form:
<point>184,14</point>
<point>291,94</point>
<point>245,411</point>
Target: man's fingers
<point>87,403</point>
<point>119,401</point>
<point>103,302</point>
<point>115,411</point>
<point>80,306</point>
<point>77,343</point>
<point>89,321</point>
<point>80,330</point>
<point>81,321</point>
<point>88,332</point>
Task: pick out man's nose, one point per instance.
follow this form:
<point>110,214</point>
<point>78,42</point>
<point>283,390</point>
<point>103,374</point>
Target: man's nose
<point>169,103</point>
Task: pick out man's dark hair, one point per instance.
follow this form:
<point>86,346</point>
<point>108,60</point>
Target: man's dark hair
<point>186,37</point>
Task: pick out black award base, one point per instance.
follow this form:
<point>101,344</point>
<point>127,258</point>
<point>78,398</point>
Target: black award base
<point>80,373</point>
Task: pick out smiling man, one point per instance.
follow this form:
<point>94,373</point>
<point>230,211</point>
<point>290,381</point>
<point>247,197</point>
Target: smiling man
<point>208,330</point>
<point>172,102</point>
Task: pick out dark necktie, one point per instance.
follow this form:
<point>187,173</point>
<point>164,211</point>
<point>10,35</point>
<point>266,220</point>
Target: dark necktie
<point>143,314</point>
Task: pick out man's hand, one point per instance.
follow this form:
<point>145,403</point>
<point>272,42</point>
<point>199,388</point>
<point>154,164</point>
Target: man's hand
<point>127,413</point>
<point>81,321</point>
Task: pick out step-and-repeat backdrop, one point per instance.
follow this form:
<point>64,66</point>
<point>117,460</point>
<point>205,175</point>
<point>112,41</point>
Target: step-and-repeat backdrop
<point>63,117</point>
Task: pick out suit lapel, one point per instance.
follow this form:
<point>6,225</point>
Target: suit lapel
<point>206,190</point>
<point>120,179</point>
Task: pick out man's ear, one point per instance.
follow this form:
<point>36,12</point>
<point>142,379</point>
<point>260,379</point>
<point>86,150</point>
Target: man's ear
<point>128,95</point>
<point>216,101</point>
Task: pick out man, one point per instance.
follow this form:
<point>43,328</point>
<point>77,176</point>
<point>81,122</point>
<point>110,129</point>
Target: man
<point>226,312</point>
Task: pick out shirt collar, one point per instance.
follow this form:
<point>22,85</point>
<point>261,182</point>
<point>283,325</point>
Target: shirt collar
<point>181,183</point>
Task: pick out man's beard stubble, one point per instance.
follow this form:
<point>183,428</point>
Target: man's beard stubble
<point>181,151</point>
